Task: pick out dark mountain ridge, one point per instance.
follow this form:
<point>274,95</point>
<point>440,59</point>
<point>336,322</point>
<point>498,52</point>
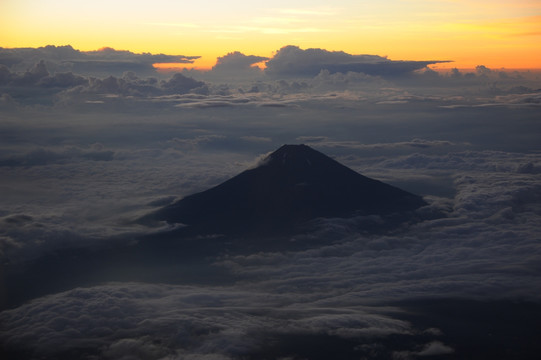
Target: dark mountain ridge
<point>293,185</point>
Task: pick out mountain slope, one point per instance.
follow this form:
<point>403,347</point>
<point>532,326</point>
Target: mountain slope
<point>292,185</point>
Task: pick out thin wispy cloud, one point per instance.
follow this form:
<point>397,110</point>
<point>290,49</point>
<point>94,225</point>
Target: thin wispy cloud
<point>268,29</point>
<point>310,11</point>
<point>179,24</point>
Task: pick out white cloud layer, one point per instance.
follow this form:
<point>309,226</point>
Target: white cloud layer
<point>127,319</point>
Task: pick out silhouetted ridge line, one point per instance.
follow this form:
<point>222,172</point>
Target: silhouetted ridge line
<point>292,185</point>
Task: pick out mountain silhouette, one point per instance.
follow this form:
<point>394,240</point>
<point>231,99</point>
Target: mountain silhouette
<point>254,211</point>
<point>293,185</point>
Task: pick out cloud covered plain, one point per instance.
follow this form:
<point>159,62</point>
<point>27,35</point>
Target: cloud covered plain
<point>84,155</point>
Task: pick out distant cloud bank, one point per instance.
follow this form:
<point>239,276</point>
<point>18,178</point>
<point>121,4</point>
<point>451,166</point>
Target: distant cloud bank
<point>102,62</point>
<point>289,61</point>
<point>293,61</point>
<point>63,76</point>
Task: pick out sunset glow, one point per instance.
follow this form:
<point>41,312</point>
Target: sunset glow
<point>498,34</point>
<point>178,66</point>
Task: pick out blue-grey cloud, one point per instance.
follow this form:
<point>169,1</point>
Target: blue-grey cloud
<point>237,61</point>
<point>146,321</point>
<point>180,84</point>
<point>294,61</point>
<point>38,76</point>
<point>323,141</point>
<point>41,156</point>
<point>106,61</point>
<point>38,85</point>
<point>233,82</point>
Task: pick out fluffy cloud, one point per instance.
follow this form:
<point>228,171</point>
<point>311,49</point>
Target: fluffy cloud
<point>435,348</point>
<point>131,85</point>
<point>38,76</point>
<point>180,84</point>
<point>237,61</point>
<point>103,62</point>
<point>317,74</point>
<point>148,321</point>
<point>293,61</point>
<point>37,84</point>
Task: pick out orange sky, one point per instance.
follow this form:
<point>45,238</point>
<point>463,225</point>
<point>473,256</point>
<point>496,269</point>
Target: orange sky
<point>497,33</point>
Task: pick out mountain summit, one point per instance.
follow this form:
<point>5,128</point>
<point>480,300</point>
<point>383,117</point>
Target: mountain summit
<point>292,185</point>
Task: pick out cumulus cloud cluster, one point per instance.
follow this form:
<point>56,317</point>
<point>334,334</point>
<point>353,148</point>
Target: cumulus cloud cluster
<point>485,235</point>
<point>37,84</point>
<point>103,62</point>
<point>294,61</point>
<point>236,63</point>
<point>42,77</point>
<point>163,321</point>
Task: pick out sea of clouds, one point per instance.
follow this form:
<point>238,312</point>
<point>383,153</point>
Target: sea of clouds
<point>82,156</point>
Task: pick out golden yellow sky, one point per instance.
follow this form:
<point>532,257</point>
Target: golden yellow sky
<point>496,33</point>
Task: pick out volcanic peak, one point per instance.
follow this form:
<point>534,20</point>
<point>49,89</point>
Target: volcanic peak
<point>292,185</point>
